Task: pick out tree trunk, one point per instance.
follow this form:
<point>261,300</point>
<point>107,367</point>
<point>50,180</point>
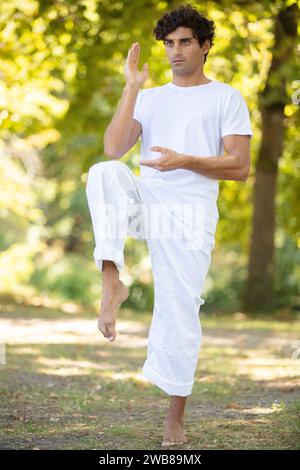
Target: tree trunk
<point>259,289</point>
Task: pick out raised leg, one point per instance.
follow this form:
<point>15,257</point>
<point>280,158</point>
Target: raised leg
<point>111,189</point>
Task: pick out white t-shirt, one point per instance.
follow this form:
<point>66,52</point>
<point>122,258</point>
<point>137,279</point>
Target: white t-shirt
<point>190,120</point>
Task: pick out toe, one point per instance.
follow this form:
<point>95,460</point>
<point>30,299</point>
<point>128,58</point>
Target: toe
<point>169,443</point>
<point>174,443</point>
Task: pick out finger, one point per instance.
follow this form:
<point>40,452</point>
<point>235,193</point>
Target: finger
<point>155,167</point>
<point>129,55</point>
<point>131,52</point>
<point>135,52</point>
<point>149,162</point>
<point>157,148</point>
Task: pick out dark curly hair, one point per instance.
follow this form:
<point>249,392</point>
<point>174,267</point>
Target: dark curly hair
<point>189,17</point>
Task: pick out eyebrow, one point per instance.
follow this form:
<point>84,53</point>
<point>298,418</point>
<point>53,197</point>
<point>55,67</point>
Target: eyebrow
<point>181,39</point>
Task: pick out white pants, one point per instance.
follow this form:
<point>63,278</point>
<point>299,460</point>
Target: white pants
<point>179,267</point>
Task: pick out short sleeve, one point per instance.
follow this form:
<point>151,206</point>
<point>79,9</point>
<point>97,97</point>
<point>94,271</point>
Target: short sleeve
<point>137,112</point>
<point>235,117</point>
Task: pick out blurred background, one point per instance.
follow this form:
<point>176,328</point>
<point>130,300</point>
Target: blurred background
<point>63,385</point>
<point>61,78</point>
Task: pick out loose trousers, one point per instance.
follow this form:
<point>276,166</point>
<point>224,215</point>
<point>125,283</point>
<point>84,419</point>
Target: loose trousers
<point>117,200</point>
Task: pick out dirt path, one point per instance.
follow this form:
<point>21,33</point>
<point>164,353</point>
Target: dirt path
<point>64,387</point>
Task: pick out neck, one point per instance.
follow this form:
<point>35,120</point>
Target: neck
<point>190,80</point>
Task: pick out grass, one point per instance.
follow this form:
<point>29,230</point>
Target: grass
<point>65,387</point>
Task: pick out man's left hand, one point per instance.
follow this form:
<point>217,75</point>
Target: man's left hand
<point>169,159</point>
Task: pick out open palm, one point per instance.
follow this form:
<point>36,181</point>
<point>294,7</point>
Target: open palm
<point>132,74</point>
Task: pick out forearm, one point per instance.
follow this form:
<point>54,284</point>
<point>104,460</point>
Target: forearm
<point>117,133</point>
<point>219,167</point>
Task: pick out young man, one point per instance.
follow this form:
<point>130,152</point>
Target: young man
<point>184,125</point>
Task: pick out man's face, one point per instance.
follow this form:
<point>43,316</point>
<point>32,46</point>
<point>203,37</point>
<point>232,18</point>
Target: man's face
<point>181,44</point>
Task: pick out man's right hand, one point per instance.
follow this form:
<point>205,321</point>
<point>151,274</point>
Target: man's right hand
<point>132,74</point>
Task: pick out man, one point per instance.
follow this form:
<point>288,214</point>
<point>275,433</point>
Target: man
<point>185,126</point>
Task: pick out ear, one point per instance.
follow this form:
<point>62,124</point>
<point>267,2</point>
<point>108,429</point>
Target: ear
<point>206,46</point>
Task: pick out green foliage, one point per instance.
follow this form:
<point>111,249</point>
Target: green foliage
<point>61,78</point>
<point>226,281</point>
<point>227,278</point>
<point>68,278</point>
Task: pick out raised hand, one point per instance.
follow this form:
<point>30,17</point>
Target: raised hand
<point>132,74</point>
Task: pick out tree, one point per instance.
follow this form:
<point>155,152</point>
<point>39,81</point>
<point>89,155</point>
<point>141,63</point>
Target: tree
<point>272,102</point>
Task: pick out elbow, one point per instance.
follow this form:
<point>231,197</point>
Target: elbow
<point>244,175</point>
<point>110,151</point>
<point>111,154</point>
<point>244,172</point>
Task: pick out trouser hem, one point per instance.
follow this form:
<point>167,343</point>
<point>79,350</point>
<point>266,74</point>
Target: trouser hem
<point>108,253</point>
<point>170,388</point>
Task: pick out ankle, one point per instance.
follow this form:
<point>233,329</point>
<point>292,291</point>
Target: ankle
<point>174,417</point>
<point>109,268</point>
<point>110,279</point>
<point>110,274</point>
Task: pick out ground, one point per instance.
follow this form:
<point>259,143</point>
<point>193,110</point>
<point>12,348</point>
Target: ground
<point>64,386</point>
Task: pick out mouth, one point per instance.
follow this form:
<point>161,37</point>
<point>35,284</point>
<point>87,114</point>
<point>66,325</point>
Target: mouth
<point>177,60</point>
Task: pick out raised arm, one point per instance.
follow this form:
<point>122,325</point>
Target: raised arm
<point>123,131</point>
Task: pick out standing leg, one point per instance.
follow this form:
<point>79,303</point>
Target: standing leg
<point>175,335</point>
<point>173,423</point>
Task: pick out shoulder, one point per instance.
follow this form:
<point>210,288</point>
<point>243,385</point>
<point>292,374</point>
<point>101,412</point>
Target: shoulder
<point>230,97</point>
<point>227,90</point>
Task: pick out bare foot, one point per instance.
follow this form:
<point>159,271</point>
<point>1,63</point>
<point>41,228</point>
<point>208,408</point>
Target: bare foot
<point>114,294</point>
<point>174,432</point>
